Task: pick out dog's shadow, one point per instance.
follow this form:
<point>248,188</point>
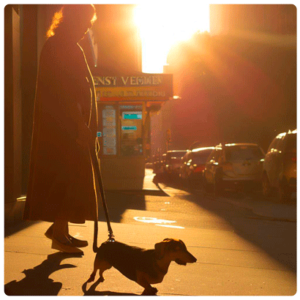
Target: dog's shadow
<point>92,291</point>
<point>37,281</point>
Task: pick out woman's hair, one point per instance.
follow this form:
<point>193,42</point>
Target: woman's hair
<point>71,14</point>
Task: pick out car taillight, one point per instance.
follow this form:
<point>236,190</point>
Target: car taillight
<point>199,169</point>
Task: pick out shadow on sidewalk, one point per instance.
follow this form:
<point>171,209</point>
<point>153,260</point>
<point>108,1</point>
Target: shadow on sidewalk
<point>92,291</point>
<point>119,201</point>
<point>37,281</point>
<point>13,228</point>
<point>274,236</point>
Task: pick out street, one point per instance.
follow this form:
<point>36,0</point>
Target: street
<point>238,252</point>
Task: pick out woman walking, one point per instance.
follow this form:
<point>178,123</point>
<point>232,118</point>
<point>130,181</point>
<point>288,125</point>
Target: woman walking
<point>61,181</point>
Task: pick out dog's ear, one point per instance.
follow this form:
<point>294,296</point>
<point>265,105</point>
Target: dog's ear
<point>160,250</point>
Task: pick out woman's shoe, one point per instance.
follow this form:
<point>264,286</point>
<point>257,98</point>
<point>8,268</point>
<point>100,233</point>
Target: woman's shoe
<point>49,232</point>
<point>75,242</point>
<point>65,247</point>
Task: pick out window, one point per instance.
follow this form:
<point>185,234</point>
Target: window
<point>211,156</point>
<point>131,141</point>
<point>242,153</point>
<point>109,130</point>
<point>214,156</point>
<point>201,156</point>
<point>273,146</point>
<point>291,143</point>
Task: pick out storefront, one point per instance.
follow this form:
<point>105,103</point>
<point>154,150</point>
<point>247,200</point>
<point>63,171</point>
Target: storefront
<point>125,105</point>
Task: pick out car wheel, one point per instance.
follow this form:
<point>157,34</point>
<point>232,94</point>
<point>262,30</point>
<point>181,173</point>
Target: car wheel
<point>266,187</point>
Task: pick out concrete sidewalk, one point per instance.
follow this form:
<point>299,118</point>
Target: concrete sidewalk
<point>227,263</point>
<point>268,209</point>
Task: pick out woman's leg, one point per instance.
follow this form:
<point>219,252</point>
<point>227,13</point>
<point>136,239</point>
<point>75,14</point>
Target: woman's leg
<point>60,231</point>
<point>75,242</point>
<point>60,239</point>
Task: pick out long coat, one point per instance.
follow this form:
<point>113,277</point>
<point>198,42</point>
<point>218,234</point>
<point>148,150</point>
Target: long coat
<point>61,180</point>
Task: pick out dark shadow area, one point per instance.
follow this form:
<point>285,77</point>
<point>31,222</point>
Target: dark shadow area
<point>37,281</point>
<point>170,181</point>
<point>92,291</point>
<point>118,201</point>
<point>275,237</point>
<point>13,228</point>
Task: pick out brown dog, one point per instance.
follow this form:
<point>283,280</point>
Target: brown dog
<point>144,266</point>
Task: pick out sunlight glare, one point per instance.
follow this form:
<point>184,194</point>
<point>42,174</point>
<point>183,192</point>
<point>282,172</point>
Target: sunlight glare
<point>163,24</point>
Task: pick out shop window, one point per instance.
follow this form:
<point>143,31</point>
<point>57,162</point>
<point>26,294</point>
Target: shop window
<point>109,130</point>
<point>131,129</point>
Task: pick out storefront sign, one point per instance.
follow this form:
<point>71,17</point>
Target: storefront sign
<point>134,87</point>
<point>132,115</point>
<point>129,128</point>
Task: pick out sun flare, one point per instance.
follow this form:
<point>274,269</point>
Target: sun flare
<point>163,24</point>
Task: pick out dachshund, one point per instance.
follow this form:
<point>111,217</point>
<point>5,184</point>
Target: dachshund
<point>144,266</point>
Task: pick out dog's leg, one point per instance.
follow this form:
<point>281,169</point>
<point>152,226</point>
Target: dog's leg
<point>103,266</point>
<point>142,281</point>
<point>92,276</point>
<point>99,264</point>
<point>150,291</point>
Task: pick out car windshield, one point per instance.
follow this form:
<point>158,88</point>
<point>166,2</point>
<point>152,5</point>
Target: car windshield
<point>176,155</point>
<point>291,144</point>
<point>201,156</point>
<point>242,153</point>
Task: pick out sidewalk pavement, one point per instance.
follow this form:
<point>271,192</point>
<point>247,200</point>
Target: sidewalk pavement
<point>33,268</point>
<point>268,209</point>
<point>227,264</point>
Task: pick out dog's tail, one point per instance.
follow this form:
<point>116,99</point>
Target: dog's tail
<point>95,247</point>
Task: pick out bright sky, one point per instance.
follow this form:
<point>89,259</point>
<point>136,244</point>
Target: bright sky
<point>162,24</point>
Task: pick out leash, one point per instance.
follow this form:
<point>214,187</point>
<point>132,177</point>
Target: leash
<point>111,237</point>
<point>96,165</point>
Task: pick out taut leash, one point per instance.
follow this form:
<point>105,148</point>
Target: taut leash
<point>111,237</point>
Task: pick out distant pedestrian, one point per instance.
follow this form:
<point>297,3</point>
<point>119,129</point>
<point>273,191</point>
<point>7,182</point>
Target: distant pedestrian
<point>61,180</point>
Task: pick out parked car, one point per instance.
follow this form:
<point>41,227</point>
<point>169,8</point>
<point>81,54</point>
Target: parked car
<point>159,163</point>
<point>233,166</point>
<point>156,163</point>
<point>193,164</point>
<point>173,161</point>
<point>280,166</point>
<point>163,163</point>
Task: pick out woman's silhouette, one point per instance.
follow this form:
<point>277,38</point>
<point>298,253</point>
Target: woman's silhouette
<point>61,180</point>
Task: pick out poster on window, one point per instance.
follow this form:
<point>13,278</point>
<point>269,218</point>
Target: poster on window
<point>109,130</point>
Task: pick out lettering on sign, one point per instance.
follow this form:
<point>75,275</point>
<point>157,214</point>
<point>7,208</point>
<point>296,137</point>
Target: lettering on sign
<point>134,87</point>
<point>143,80</point>
<point>105,80</point>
